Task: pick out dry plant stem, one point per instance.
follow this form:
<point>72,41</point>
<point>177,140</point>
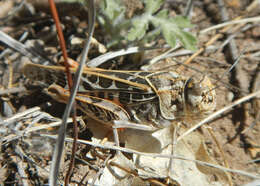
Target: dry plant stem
<point>10,80</point>
<point>61,41</point>
<point>230,23</point>
<point>219,112</point>
<point>22,155</point>
<point>58,151</point>
<point>232,44</point>
<point>41,127</point>
<point>131,125</point>
<point>116,138</point>
<point>254,161</point>
<point>188,9</point>
<point>23,49</point>
<point>25,132</point>
<point>74,149</point>
<point>8,107</point>
<point>12,90</point>
<point>19,116</point>
<point>255,176</point>
<point>253,5</point>
<point>100,171</point>
<point>69,78</point>
<point>156,182</point>
<point>110,55</point>
<point>222,154</point>
<point>21,170</point>
<point>112,163</point>
<point>173,132</point>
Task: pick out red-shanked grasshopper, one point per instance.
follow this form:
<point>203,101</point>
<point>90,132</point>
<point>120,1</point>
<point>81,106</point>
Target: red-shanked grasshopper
<point>145,97</point>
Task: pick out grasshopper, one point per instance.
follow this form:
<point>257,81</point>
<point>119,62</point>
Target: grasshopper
<point>143,97</point>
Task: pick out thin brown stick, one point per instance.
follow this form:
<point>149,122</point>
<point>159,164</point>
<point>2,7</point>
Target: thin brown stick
<point>69,79</point>
<point>61,40</point>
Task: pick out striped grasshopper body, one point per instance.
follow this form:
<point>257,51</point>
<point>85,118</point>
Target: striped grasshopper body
<point>146,97</point>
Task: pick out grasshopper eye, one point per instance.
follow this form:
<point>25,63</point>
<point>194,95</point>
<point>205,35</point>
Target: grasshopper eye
<point>188,90</point>
<point>193,93</point>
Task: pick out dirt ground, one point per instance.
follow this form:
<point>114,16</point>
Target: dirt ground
<point>235,134</point>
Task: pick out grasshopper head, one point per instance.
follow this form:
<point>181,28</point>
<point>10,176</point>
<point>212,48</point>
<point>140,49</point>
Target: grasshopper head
<point>179,96</point>
<point>200,96</point>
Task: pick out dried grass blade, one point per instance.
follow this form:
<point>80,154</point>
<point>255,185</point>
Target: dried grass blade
<point>23,49</point>
<point>56,159</point>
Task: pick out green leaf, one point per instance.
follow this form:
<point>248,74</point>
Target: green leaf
<point>112,8</point>
<point>138,30</point>
<point>152,6</point>
<point>163,14</point>
<point>181,22</point>
<point>172,29</point>
<point>188,40</point>
<point>169,36</point>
